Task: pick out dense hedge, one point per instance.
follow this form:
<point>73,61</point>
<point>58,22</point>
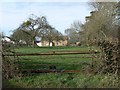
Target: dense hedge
<point>108,60</point>
<point>110,55</point>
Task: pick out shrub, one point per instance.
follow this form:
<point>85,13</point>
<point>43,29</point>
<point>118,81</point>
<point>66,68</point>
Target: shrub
<point>107,61</point>
<point>9,67</point>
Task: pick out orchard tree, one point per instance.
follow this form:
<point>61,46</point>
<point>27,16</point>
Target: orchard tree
<point>35,27</point>
<point>21,35</point>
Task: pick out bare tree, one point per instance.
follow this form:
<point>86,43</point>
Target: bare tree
<point>74,32</point>
<point>51,34</point>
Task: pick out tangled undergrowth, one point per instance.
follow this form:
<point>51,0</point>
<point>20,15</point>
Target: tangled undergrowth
<point>108,60</point>
<point>9,66</point>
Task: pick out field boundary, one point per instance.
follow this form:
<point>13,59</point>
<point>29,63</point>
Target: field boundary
<point>46,54</point>
<point>51,53</point>
<point>50,71</point>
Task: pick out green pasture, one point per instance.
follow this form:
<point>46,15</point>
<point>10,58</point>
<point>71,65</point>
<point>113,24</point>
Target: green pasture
<point>71,62</point>
<point>54,48</point>
<point>65,62</point>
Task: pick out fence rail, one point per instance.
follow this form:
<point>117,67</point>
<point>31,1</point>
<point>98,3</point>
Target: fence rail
<point>46,54</point>
<point>50,71</point>
<point>52,53</point>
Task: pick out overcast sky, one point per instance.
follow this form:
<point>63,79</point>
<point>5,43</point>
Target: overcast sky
<point>59,14</point>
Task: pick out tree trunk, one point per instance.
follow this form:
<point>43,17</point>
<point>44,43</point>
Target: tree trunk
<point>33,42</point>
<point>49,42</point>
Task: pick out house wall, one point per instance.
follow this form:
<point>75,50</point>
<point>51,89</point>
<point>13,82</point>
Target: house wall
<point>45,43</point>
<point>56,43</point>
<point>60,43</point>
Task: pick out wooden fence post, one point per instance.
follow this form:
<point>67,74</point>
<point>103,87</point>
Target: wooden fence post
<point>118,15</point>
<point>0,61</point>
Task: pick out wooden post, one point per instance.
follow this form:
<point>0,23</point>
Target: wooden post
<point>118,14</point>
<point>1,61</point>
<point>118,50</point>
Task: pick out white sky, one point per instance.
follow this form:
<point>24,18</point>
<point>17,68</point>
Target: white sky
<point>59,14</point>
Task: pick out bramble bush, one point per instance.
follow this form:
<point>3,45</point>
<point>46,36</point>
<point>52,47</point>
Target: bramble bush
<point>107,61</point>
<point>9,66</point>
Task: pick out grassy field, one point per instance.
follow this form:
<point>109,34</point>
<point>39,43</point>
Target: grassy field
<point>59,80</point>
<point>66,62</point>
<point>51,80</point>
<point>49,49</point>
